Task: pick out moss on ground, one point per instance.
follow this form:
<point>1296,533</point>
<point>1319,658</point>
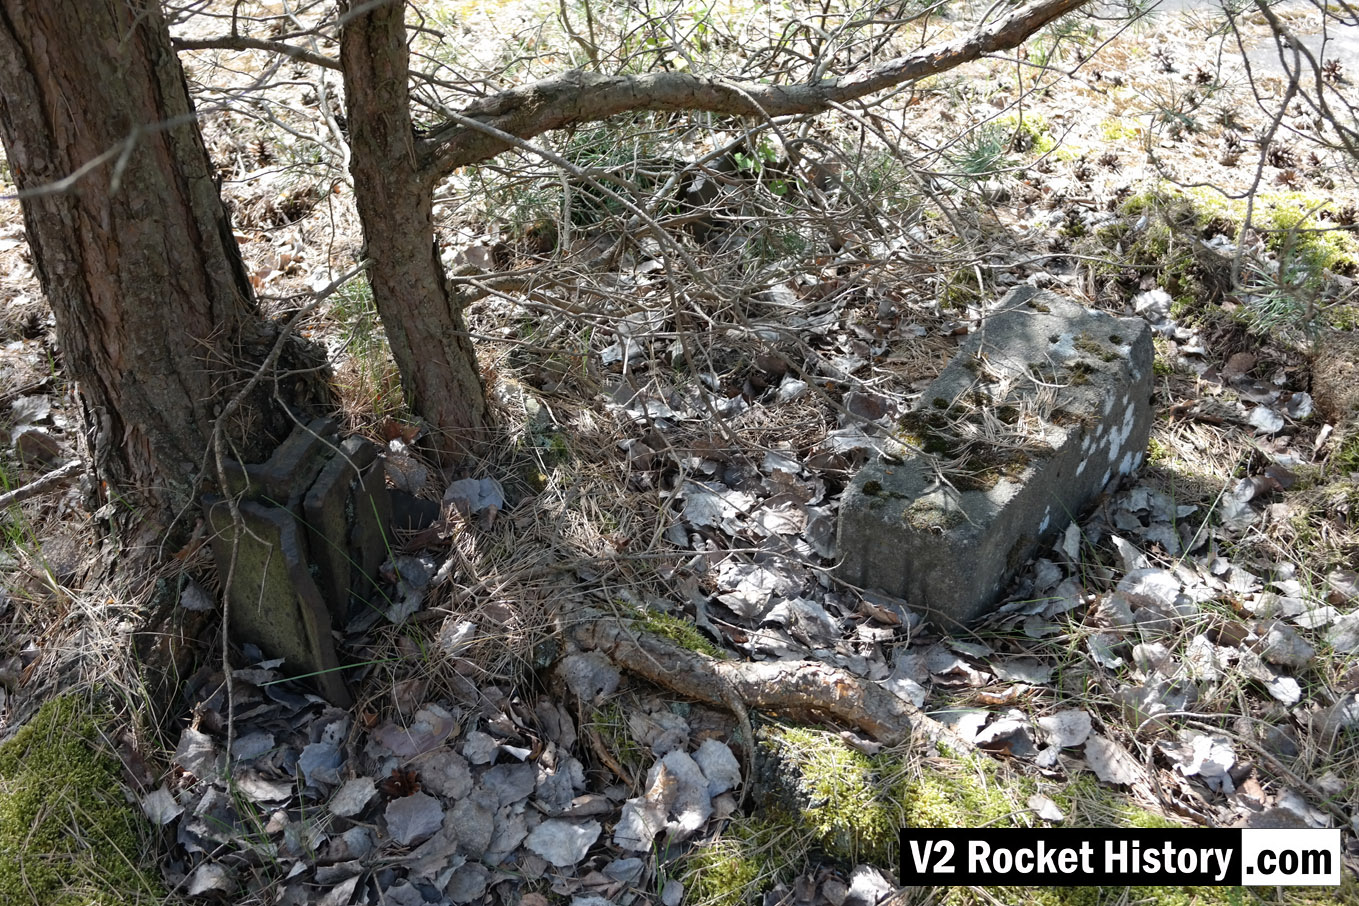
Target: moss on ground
<point>1348,892</point>
<point>1030,132</point>
<point>751,855</point>
<point>1346,458</point>
<point>839,803</point>
<point>851,803</point>
<point>67,835</point>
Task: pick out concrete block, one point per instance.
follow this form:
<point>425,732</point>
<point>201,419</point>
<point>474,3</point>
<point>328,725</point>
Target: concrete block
<point>1040,410</point>
<point>330,504</point>
<point>275,604</point>
<point>370,530</point>
<point>291,468</point>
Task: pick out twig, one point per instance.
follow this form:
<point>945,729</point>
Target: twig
<point>39,486</point>
<point>241,42</point>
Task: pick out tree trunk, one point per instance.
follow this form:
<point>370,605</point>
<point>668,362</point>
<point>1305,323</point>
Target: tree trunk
<point>394,194</point>
<point>154,313</point>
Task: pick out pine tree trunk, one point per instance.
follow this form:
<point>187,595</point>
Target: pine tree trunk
<point>393,190</point>
<point>155,317</point>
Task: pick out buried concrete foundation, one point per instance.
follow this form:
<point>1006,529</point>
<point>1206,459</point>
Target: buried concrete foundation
<point>1043,407</point>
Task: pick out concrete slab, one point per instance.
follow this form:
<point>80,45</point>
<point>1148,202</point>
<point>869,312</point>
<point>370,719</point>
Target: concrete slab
<point>291,468</point>
<point>275,604</point>
<point>1041,409</point>
<point>370,529</point>
<point>328,508</point>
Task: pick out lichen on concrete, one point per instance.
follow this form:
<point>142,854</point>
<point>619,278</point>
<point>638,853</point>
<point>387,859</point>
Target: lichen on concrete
<point>1040,410</point>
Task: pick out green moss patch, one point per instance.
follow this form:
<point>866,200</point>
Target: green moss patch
<point>846,798</point>
<point>1160,896</point>
<point>676,629</point>
<point>829,801</point>
<point>67,835</point>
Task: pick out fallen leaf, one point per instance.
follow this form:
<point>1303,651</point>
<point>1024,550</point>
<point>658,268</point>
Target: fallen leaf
<point>468,883</point>
<point>1066,728</point>
<point>692,805</point>
<point>160,806</point>
<point>480,497</point>
<point>641,820</point>
<point>197,754</point>
<point>445,773</point>
<point>1238,365</point>
<point>405,471</point>
<point>195,598</point>
<point>719,766</point>
<point>1110,761</point>
<point>352,796</point>
<point>429,728</point>
<point>1045,808</point>
<point>1343,635</point>
<point>1023,670</point>
<point>562,842</point>
<point>1265,420</point>
<point>1009,734</point>
<point>1283,645</point>
<point>413,817</point>
<point>589,676</point>
<point>210,877</point>
<point>510,783</point>
<point>319,763</point>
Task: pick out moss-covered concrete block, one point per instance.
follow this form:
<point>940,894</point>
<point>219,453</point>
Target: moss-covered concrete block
<point>275,603</point>
<point>1042,408</point>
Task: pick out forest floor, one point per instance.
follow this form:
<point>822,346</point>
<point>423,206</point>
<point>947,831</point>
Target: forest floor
<point>1185,656</point>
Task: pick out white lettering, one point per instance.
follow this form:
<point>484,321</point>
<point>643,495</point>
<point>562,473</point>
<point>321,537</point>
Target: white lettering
<point>978,856</point>
<point>1116,856</point>
<point>1224,858</point>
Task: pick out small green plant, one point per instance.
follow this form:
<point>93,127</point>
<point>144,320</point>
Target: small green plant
<point>610,721</point>
<point>367,378</point>
<point>983,151</point>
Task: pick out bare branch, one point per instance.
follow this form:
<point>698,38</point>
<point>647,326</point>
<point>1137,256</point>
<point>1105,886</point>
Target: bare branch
<point>53,479</point>
<point>578,97</point>
<point>241,42</point>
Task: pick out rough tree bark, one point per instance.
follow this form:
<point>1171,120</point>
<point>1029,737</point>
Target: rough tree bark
<point>393,190</point>
<point>155,317</point>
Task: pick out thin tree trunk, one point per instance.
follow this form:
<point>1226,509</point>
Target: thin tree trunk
<point>394,195</point>
<point>154,313</point>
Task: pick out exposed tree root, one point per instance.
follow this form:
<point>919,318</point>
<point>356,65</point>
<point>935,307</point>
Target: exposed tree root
<point>806,690</point>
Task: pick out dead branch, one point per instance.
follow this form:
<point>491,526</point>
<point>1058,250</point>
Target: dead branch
<point>801,689</point>
<point>241,42</point>
<point>55,478</point>
<point>578,97</point>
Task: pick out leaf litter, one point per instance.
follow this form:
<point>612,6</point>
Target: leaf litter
<point>1163,610</point>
